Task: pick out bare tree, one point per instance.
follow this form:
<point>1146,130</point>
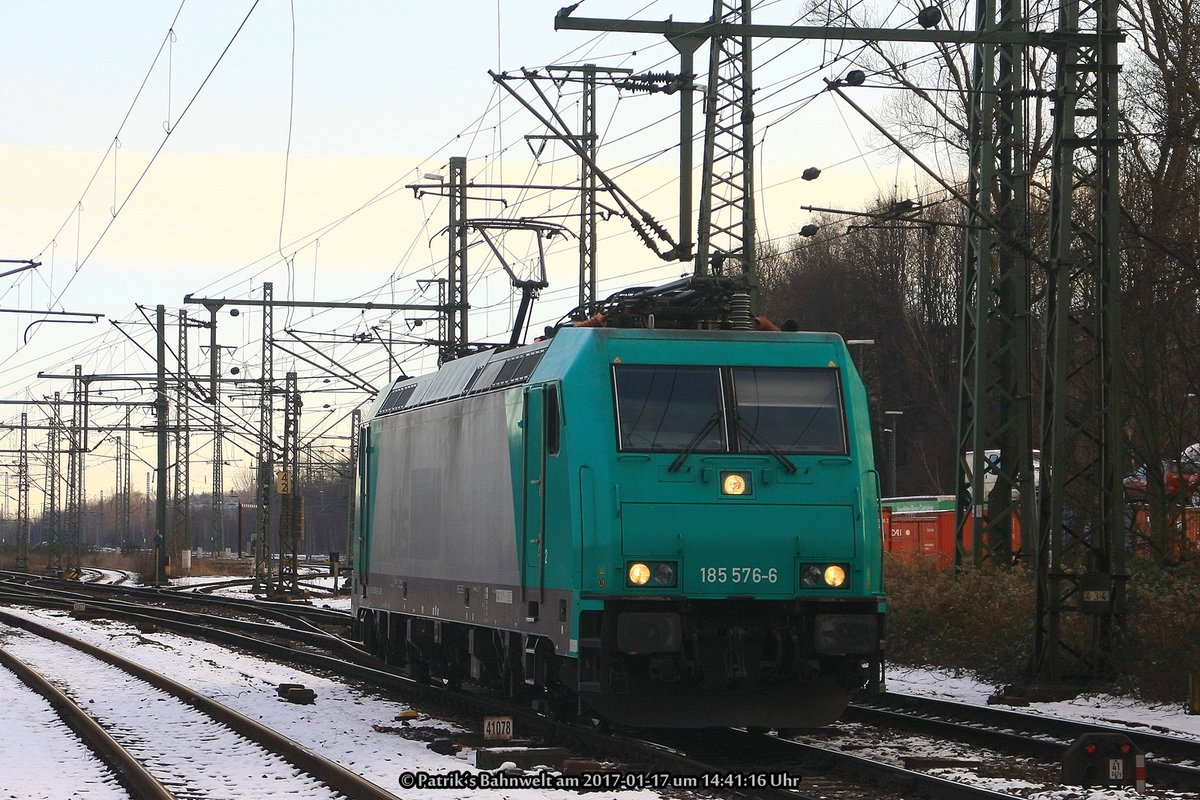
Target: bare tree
<point>891,277</point>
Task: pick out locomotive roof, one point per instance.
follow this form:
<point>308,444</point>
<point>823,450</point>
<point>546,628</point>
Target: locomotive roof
<point>478,372</point>
<point>499,369</point>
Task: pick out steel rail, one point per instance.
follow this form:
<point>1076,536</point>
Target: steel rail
<point>863,773</point>
<point>1019,731</point>
<point>667,751</point>
<point>888,775</point>
<point>330,772</point>
<point>200,624</point>
<point>645,756</point>
<point>629,751</point>
<point>129,771</point>
<point>78,590</point>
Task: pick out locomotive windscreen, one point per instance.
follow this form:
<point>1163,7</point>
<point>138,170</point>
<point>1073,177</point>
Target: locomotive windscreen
<point>671,408</point>
<point>790,410</point>
<point>666,408</point>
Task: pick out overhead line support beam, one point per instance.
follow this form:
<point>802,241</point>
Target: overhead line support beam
<point>673,30</point>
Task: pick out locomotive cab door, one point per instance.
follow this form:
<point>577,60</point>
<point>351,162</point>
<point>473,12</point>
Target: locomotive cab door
<point>533,503</point>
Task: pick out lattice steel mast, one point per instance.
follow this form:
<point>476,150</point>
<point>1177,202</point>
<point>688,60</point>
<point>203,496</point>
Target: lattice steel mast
<point>181,533</point>
<point>1081,553</point>
<point>725,228</point>
<point>352,492</point>
<point>74,507</point>
<point>217,522</point>
<point>23,497</point>
<point>291,505</point>
<point>51,516</point>
<point>458,340</point>
<point>162,416</point>
<point>995,407</point>
<point>125,506</point>
<point>587,194</point>
<point>266,445</point>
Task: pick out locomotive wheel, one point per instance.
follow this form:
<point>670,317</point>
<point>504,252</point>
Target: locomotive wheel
<point>601,725</point>
<point>454,676</point>
<point>561,705</point>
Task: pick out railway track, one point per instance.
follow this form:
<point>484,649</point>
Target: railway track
<point>768,761</point>
<point>1033,735</point>
<point>746,759</point>
<point>316,627</point>
<point>64,740</point>
<point>734,766</point>
<point>42,586</point>
<point>666,767</point>
<point>110,576</point>
<point>151,718</point>
<point>464,705</point>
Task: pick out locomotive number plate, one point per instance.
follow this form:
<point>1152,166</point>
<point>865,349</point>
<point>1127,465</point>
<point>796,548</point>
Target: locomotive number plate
<point>738,575</point>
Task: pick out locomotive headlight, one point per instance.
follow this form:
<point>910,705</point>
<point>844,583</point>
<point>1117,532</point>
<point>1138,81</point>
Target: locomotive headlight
<point>658,574</point>
<point>735,483</point>
<point>823,576</point>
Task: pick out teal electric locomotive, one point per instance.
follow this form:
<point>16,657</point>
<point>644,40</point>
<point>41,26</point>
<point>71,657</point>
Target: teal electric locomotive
<point>669,527</point>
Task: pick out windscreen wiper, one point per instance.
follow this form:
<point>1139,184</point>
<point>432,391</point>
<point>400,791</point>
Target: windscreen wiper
<point>764,444</point>
<point>695,442</point>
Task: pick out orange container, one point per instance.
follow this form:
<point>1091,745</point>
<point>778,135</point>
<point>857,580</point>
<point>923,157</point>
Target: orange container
<point>922,534</point>
<point>930,534</point>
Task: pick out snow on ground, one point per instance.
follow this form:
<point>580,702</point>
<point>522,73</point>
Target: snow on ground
<point>40,756</point>
<point>361,730</point>
<point>217,762</point>
<point>1102,709</point>
<point>245,591</point>
<point>962,687</point>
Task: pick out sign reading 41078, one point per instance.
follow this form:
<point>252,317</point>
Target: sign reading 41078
<point>498,728</point>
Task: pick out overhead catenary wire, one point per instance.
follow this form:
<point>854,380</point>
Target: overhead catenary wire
<point>153,158</point>
<point>408,265</point>
<point>167,38</point>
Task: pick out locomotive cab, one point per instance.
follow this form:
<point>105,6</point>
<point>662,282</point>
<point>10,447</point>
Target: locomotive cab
<point>736,581</point>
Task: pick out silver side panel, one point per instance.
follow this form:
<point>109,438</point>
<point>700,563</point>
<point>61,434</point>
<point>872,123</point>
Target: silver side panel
<point>444,493</point>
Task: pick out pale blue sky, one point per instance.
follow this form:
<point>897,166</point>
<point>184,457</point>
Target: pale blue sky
<point>384,93</point>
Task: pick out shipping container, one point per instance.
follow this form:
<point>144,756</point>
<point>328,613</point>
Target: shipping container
<point>1182,547</point>
<point>923,527</point>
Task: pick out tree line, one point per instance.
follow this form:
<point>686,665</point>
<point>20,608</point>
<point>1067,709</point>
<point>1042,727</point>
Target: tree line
<point>895,275</point>
<point>326,492</point>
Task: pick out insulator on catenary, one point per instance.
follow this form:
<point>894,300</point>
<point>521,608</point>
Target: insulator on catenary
<point>739,312</point>
<point>594,321</point>
<point>667,82</point>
